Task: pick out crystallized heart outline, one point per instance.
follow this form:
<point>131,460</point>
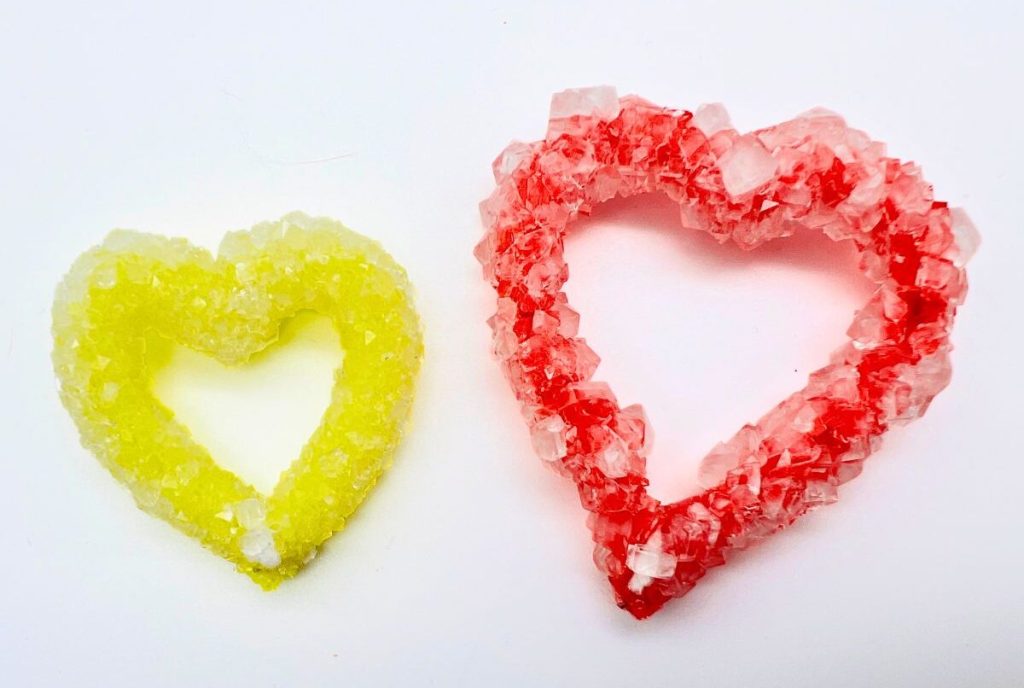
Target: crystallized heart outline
<point>811,172</point>
<point>124,303</point>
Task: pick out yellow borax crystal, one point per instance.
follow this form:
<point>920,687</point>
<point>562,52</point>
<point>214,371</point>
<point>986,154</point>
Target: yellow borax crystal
<point>124,304</point>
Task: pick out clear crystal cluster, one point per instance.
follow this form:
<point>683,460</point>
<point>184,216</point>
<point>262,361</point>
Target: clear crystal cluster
<point>124,303</point>
<point>813,172</point>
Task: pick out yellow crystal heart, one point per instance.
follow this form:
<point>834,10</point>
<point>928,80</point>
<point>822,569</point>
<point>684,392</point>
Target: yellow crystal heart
<point>125,303</point>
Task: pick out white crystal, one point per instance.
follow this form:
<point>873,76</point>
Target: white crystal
<point>702,515</point>
<point>509,159</point>
<point>752,469</point>
<point>600,101</point>
<point>746,166</point>
<point>258,547</point>
<point>650,560</point>
<point>712,118</point>
<point>803,421</point>
<point>819,112</point>
<point>819,492</point>
<point>637,583</point>
<point>636,412</point>
<point>927,378</point>
<point>110,390</point>
<point>725,456</point>
<point>548,437</point>
<point>867,193</point>
<point>965,235</point>
<point>614,458</point>
<point>869,327</point>
<point>716,465</point>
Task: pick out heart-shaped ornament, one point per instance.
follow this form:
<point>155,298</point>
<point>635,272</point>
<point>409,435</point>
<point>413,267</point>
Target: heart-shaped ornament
<point>125,303</point>
<point>813,172</point>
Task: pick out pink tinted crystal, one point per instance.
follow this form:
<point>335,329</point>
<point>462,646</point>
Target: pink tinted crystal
<point>746,166</point>
<point>812,172</point>
<point>966,238</point>
<point>711,118</point>
<point>601,102</point>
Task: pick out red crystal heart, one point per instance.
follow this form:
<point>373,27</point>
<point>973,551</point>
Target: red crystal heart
<point>812,172</point>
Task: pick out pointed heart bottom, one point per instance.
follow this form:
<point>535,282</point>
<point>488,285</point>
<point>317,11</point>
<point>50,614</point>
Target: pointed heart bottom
<point>124,303</point>
<point>812,172</point>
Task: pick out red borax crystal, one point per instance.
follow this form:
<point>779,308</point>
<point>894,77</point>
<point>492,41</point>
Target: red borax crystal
<point>812,172</point>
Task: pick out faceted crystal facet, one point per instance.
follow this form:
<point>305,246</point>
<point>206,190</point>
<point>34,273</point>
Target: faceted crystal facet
<point>711,118</point>
<point>966,238</point>
<point>745,167</point>
<point>601,102</point>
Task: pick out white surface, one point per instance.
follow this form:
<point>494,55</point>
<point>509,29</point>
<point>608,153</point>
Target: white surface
<point>470,565</point>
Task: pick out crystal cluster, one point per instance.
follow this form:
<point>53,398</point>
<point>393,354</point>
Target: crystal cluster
<point>124,303</point>
<point>812,172</point>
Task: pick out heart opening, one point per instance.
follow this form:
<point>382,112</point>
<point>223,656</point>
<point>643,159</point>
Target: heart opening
<point>706,337</point>
<point>254,419</point>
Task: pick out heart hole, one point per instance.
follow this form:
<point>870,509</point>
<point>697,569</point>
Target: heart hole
<point>254,419</point>
<point>706,337</point>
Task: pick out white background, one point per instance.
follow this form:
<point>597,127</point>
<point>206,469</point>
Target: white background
<point>470,565</point>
